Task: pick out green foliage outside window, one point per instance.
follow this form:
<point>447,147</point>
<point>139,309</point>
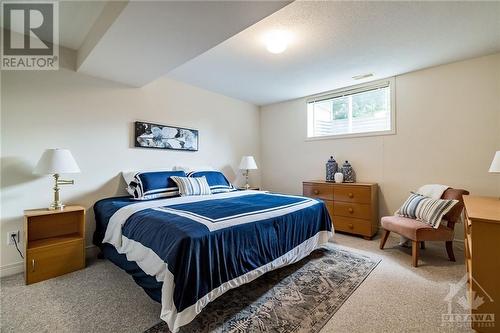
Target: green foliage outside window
<point>340,107</point>
<point>368,103</point>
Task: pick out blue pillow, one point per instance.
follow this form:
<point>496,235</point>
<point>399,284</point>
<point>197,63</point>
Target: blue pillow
<point>216,180</point>
<point>153,185</point>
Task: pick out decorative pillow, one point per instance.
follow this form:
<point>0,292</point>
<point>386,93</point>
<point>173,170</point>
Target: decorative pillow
<point>192,186</point>
<point>216,180</point>
<point>426,209</point>
<point>152,184</point>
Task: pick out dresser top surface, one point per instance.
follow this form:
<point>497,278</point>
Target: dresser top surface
<point>483,208</point>
<point>332,183</point>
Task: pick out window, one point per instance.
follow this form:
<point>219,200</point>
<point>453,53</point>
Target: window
<point>366,109</point>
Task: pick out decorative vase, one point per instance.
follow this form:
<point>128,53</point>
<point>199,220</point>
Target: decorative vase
<point>339,177</point>
<point>348,171</point>
<point>331,168</point>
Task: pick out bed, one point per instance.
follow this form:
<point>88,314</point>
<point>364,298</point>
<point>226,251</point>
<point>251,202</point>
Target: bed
<point>187,251</point>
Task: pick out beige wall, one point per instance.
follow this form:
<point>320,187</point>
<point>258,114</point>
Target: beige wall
<point>448,128</point>
<point>93,118</point>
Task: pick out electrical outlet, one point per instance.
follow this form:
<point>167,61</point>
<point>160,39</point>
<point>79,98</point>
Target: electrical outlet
<point>10,241</point>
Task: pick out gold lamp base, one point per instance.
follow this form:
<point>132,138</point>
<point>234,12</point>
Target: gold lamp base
<point>57,203</point>
<point>56,206</point>
<point>247,186</point>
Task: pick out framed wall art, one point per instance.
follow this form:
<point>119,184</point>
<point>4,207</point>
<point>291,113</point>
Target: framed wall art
<point>149,135</point>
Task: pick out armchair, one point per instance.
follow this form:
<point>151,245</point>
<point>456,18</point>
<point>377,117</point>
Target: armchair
<point>419,232</point>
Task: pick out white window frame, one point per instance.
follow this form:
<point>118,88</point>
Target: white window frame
<point>349,91</point>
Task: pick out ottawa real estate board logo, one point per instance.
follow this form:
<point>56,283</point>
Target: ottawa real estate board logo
<point>30,35</point>
<point>466,307</point>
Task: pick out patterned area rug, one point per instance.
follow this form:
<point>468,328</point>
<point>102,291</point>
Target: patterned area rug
<point>295,299</point>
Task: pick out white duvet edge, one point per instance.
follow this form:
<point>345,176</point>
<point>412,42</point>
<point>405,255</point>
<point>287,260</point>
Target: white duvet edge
<point>153,265</point>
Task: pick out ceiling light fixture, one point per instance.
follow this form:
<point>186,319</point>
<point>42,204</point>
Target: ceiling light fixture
<point>362,76</point>
<point>277,41</point>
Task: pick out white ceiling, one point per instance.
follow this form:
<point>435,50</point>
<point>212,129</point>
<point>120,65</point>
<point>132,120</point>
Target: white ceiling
<point>150,38</point>
<point>217,45</point>
<point>334,41</point>
<point>75,20</point>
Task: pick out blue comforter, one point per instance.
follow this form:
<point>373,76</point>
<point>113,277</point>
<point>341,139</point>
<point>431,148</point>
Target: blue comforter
<point>200,247</point>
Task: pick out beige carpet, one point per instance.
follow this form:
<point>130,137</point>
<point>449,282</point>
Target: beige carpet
<point>394,298</point>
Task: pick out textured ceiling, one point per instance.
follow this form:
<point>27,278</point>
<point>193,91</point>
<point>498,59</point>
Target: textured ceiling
<point>149,38</point>
<point>334,41</point>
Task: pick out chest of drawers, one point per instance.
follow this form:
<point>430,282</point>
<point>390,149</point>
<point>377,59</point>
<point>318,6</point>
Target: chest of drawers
<point>482,236</point>
<point>353,207</point>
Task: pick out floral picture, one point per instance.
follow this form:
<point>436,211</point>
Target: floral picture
<point>148,135</point>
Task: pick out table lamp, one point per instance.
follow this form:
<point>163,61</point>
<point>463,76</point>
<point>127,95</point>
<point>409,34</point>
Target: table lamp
<point>495,164</point>
<point>247,163</point>
<point>55,162</point>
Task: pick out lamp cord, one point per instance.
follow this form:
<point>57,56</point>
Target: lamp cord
<point>17,247</point>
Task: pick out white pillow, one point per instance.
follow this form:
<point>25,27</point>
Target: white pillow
<point>128,176</point>
<point>188,169</point>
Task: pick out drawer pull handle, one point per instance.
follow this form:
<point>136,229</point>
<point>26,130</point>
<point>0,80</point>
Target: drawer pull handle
<point>350,210</point>
<point>316,192</point>
<point>32,265</point>
<point>350,195</point>
<point>350,226</point>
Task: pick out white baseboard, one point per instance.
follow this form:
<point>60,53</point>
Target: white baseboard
<point>11,269</point>
<point>91,251</point>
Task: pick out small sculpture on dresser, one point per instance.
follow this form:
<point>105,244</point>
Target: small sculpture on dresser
<point>348,171</point>
<point>339,177</point>
<point>331,169</point>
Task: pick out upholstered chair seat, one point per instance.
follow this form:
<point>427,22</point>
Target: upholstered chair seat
<point>413,229</point>
<point>420,232</point>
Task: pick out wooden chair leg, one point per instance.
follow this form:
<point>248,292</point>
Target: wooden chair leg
<point>414,252</point>
<point>384,239</point>
<point>422,245</point>
<point>449,249</point>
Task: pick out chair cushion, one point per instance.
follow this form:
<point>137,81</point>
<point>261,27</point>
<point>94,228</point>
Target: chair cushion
<point>416,230</point>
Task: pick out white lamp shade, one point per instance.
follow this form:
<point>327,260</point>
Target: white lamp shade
<point>248,163</point>
<point>495,164</point>
<point>56,161</point>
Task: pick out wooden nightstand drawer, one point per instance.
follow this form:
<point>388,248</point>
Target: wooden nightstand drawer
<point>352,225</point>
<point>320,191</point>
<point>49,261</point>
<point>357,210</point>
<point>347,193</point>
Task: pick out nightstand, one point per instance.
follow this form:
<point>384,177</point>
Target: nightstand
<point>54,242</point>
